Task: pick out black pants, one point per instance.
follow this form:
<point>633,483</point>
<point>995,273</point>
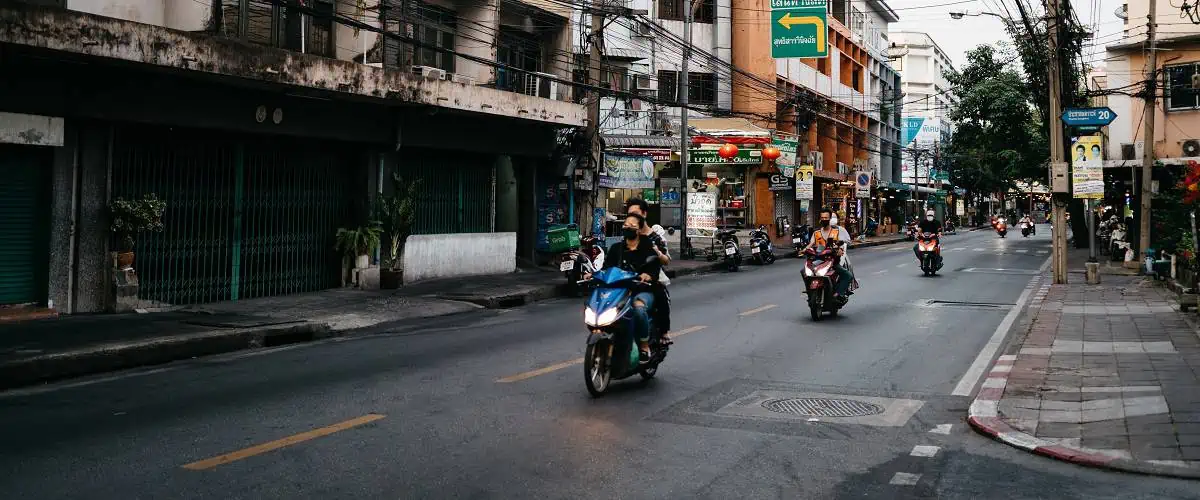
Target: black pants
<point>662,308</point>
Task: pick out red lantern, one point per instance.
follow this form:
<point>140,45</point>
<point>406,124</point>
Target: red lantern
<point>770,153</point>
<point>727,151</point>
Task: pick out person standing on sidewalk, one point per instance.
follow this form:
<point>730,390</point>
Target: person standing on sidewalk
<point>639,207</point>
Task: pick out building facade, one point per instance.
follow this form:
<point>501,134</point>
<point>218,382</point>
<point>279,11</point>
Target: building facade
<point>265,126</point>
<point>928,99</point>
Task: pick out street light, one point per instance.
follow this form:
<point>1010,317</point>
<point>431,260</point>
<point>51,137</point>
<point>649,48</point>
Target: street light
<point>961,14</point>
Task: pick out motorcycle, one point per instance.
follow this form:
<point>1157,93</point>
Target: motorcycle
<point>928,247</point>
<point>576,263</point>
<point>819,282</point>
<point>949,229</point>
<point>1117,244</point>
<point>1001,228</point>
<point>801,235</point>
<point>761,248</point>
<point>1026,229</point>
<point>729,245</point>
<point>612,351</point>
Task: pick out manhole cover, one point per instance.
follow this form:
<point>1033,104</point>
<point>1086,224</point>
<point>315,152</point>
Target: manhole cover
<point>823,407</point>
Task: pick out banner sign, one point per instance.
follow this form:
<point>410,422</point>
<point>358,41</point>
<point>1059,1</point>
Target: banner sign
<point>1087,168</point>
<point>787,152</point>
<point>627,172</point>
<point>701,215</point>
<point>804,182</point>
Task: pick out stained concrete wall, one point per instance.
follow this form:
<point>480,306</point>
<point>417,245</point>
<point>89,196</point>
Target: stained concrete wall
<point>429,256</point>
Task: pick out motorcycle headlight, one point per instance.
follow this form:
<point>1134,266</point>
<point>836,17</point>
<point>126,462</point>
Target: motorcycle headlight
<point>589,316</point>
<point>808,271</point>
<point>607,317</point>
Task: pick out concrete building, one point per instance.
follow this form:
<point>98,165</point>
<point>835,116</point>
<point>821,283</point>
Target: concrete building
<point>266,126</point>
<point>928,98</point>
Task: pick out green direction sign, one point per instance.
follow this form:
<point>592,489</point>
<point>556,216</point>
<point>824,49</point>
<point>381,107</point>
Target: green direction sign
<point>798,29</point>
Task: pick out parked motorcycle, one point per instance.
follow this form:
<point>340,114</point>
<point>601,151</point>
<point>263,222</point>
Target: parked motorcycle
<point>910,233</point>
<point>612,352</point>
<point>928,247</point>
<point>801,235</point>
<point>729,245</point>
<point>1001,228</point>
<point>1118,245</point>
<point>761,249</point>
<point>949,228</point>
<point>587,259</point>
<point>819,282</point>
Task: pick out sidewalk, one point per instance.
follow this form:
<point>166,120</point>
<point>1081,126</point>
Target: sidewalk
<point>56,348</point>
<point>1105,375</point>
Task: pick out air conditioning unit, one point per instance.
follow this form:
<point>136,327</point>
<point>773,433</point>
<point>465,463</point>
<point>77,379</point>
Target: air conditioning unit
<point>463,79</point>
<point>643,83</point>
<point>1128,152</point>
<point>541,85</point>
<point>643,29</point>
<point>1191,148</point>
<point>429,72</point>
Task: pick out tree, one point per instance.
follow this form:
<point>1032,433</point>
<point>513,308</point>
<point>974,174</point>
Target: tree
<point>997,139</point>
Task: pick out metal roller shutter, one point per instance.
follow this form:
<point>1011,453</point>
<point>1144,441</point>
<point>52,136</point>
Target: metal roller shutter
<point>22,225</point>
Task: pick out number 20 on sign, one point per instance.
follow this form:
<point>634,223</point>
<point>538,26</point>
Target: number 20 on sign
<point>799,28</point>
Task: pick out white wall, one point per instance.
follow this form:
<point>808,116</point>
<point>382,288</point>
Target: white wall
<point>140,11</point>
<point>429,256</point>
<point>1120,131</point>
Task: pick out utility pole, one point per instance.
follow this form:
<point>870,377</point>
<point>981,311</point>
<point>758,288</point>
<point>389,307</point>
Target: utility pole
<point>1059,203</point>
<point>684,140</point>
<point>1148,137</point>
<point>593,128</point>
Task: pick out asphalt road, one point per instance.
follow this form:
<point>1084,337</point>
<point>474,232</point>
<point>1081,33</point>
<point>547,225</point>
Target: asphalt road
<point>491,404</point>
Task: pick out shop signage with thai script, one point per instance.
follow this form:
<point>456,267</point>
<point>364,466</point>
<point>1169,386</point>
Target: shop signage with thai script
<point>744,156</point>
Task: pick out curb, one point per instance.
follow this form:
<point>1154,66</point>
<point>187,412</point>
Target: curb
<point>64,365</point>
<point>984,417</point>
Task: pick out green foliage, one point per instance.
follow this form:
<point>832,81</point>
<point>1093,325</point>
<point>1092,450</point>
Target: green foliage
<point>397,214</point>
<point>1169,217</point>
<point>998,139</point>
<point>362,240</point>
<point>130,217</point>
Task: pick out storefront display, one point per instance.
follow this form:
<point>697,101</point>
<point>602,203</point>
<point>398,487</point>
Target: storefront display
<point>726,181</point>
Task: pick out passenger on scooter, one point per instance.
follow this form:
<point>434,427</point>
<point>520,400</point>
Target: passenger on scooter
<point>636,253</point>
<point>828,232</point>
<point>933,226</point>
<point>662,300</point>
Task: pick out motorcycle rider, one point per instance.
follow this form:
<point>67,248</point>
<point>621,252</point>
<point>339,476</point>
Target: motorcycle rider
<point>930,225</point>
<point>638,206</point>
<point>634,253</point>
<point>1029,220</point>
<point>828,232</point>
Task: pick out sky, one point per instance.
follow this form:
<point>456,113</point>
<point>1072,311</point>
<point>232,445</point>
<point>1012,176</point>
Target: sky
<point>956,37</point>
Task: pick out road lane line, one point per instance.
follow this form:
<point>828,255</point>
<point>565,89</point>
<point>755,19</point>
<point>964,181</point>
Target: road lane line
<point>280,443</point>
<point>970,379</point>
<point>979,249</point>
<point>880,272</point>
<point>569,363</point>
<point>757,310</point>
<point>924,451</point>
<point>1022,250</point>
<point>902,265</point>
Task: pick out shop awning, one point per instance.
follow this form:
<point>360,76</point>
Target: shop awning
<point>641,141</point>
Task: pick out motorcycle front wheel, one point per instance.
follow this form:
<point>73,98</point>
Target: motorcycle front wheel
<point>596,368</point>
<point>814,308</point>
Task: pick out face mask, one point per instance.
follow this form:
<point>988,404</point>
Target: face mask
<point>629,233</point>
<point>824,222</point>
<point>833,221</point>
<point>928,217</point>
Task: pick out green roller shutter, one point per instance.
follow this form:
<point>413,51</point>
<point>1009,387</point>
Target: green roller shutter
<point>22,225</point>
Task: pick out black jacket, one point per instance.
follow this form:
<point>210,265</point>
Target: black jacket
<point>635,261</point>
<point>929,226</point>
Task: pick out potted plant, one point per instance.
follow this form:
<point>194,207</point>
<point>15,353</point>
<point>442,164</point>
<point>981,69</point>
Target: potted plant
<point>359,243</point>
<point>130,217</point>
<point>397,213</point>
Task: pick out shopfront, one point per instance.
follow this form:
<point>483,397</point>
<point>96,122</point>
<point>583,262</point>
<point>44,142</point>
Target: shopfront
<point>709,173</point>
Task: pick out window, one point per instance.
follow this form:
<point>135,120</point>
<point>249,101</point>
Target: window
<point>702,87</point>
<point>264,23</point>
<point>673,10</point>
<point>856,21</point>
<point>1181,95</point>
<point>433,26</point>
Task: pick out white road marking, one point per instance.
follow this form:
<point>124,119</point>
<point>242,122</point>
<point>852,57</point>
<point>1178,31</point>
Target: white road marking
<point>1043,252</point>
<point>905,479</point>
<point>902,265</point>
<point>941,429</point>
<point>970,379</point>
<point>924,451</point>
<point>880,272</point>
<point>1022,250</point>
<point>979,249</point>
<point>957,249</point>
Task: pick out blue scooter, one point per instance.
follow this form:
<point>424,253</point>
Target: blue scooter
<point>612,352</point>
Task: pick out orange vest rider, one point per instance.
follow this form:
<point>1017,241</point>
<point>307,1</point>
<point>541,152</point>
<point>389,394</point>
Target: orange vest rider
<point>819,239</point>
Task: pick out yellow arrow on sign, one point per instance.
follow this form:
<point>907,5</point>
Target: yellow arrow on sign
<point>787,21</point>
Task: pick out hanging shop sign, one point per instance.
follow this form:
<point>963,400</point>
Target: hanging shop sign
<point>656,154</point>
<point>627,172</point>
<point>743,156</point>
<point>804,182</point>
<point>701,215</point>
<point>787,152</point>
<point>780,182</point>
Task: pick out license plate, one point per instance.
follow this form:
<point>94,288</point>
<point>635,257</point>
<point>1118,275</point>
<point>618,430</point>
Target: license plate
<point>730,251</point>
<point>754,250</point>
<point>567,266</point>
<point>797,240</point>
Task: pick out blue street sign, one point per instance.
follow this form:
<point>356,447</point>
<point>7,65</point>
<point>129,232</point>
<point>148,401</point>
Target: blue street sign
<point>1084,117</point>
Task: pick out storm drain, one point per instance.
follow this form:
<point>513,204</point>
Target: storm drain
<point>958,303</point>
<point>822,407</point>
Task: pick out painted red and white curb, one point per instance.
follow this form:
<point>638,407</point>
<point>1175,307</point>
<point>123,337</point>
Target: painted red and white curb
<point>984,416</point>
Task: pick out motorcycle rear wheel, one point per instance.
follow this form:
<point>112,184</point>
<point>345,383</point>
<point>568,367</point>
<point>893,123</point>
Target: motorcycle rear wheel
<point>596,374</point>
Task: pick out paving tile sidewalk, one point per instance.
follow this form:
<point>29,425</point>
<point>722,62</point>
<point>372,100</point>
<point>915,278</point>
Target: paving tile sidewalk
<point>1105,375</point>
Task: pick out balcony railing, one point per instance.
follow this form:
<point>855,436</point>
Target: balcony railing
<point>615,119</point>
